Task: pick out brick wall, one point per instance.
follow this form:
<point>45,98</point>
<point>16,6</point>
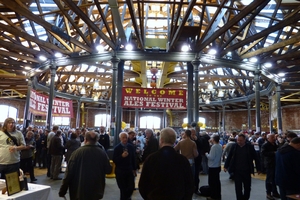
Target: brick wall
<point>234,120</point>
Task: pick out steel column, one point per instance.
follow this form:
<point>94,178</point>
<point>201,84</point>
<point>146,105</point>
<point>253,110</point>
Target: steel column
<point>190,106</point>
<point>51,95</point>
<point>279,114</point>
<point>118,101</point>
<point>115,62</point>
<point>257,100</point>
<point>249,116</point>
<point>196,64</point>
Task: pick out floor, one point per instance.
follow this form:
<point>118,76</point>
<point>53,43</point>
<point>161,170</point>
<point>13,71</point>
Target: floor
<point>112,191</point>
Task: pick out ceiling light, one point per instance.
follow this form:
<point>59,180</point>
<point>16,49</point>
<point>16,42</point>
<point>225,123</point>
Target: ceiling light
<point>96,85</point>
<point>96,98</point>
<point>100,48</point>
<point>210,86</point>
<point>129,47</point>
<point>58,55</point>
<point>42,58</point>
<point>221,93</point>
<point>185,48</point>
<point>281,74</point>
<point>268,65</point>
<point>83,91</point>
<point>212,52</point>
<point>253,60</point>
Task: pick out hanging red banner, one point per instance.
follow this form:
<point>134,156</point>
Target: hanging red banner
<point>38,105</point>
<point>153,98</point>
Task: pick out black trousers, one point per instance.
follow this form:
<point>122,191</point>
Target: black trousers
<point>49,158</point>
<point>27,166</point>
<point>125,181</point>
<point>242,178</point>
<point>198,162</point>
<point>270,181</point>
<point>4,169</point>
<point>214,182</point>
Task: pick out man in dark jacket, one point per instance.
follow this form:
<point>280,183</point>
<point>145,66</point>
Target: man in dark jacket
<point>85,173</point>
<point>56,149</point>
<point>124,158</point>
<point>198,160</point>
<point>268,151</point>
<point>287,168</point>
<point>151,145</point>
<point>166,174</point>
<point>204,142</point>
<point>104,138</point>
<point>240,162</point>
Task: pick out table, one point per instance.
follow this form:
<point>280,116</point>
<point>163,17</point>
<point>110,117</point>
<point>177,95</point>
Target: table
<point>294,196</point>
<point>34,192</point>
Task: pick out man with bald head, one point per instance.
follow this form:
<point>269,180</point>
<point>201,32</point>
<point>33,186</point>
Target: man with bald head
<point>85,173</point>
<point>166,174</point>
<point>124,158</point>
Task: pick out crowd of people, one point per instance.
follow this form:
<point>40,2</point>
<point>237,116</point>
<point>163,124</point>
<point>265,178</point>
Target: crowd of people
<point>170,162</point>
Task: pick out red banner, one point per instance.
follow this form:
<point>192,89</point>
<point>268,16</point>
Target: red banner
<point>153,98</point>
<point>38,105</point>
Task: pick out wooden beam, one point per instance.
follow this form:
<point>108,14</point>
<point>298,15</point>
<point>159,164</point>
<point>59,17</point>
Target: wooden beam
<point>273,47</point>
<point>30,16</point>
<point>91,24</point>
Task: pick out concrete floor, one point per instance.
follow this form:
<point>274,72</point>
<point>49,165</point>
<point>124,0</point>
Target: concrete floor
<point>112,191</point>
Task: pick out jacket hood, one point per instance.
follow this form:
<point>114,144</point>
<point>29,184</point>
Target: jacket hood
<point>285,149</point>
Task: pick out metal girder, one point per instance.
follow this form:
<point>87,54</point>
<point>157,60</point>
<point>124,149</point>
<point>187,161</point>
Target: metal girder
<point>43,88</point>
<point>215,21</point>
<point>91,24</point>
<point>155,56</point>
<point>117,19</point>
<point>241,99</point>
<point>181,26</point>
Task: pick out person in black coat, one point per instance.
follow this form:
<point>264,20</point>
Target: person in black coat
<point>86,170</point>
<point>204,142</point>
<point>198,160</point>
<point>240,162</point>
<point>166,174</point>
<point>71,146</point>
<point>104,138</point>
<point>124,158</point>
<point>268,151</point>
<point>151,145</point>
<point>287,168</point>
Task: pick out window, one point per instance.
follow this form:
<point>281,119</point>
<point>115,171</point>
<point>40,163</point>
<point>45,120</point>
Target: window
<point>102,120</point>
<point>201,119</point>
<point>150,122</point>
<point>7,111</point>
<point>61,121</point>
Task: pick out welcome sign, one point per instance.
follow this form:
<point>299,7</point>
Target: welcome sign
<point>39,103</point>
<point>153,98</point>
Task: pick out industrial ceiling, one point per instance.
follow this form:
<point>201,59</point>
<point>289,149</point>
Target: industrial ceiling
<point>81,36</point>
